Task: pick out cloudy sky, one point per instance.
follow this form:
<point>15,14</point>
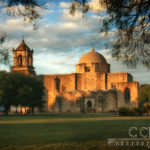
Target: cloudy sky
<point>62,39</point>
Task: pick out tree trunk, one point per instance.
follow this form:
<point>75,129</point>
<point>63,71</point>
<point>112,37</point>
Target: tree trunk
<point>16,110</point>
<point>32,110</point>
<point>6,109</point>
<point>21,110</point>
<point>25,110</point>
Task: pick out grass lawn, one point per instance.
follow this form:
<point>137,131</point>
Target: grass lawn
<point>66,131</point>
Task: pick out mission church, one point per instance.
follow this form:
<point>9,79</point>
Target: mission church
<point>92,88</point>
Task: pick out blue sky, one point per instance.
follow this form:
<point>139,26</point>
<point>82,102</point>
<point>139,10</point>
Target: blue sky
<point>62,39</point>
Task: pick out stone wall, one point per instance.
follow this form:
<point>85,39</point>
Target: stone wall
<point>91,81</point>
<point>110,100</point>
<point>134,90</point>
<point>118,78</point>
<point>61,83</point>
<point>94,67</point>
<point>55,84</point>
<point>89,101</point>
<point>24,70</point>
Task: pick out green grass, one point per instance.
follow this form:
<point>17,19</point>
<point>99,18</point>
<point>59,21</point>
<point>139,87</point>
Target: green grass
<point>56,115</point>
<point>64,131</point>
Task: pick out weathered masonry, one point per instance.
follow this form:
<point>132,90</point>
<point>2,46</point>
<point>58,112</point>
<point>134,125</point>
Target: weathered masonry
<point>93,88</point>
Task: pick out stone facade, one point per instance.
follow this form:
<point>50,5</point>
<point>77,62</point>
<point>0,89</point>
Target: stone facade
<point>89,101</point>
<point>91,89</point>
<point>23,60</point>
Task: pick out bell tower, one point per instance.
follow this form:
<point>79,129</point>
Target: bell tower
<point>23,59</point>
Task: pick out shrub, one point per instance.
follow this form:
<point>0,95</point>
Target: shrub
<point>125,111</point>
<point>138,111</point>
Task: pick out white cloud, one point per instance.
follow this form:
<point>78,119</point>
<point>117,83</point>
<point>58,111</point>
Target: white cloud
<point>65,35</point>
<point>67,38</point>
<point>64,5</point>
<point>66,16</point>
<point>96,6</point>
<point>50,5</point>
<point>137,73</point>
<point>19,8</point>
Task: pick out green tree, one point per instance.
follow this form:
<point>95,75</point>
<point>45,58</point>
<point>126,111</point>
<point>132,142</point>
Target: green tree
<point>30,92</point>
<point>4,53</point>
<point>129,18</point>
<point>18,89</point>
<point>144,97</point>
<point>24,8</point>
<point>36,95</point>
<point>30,12</point>
<point>6,91</point>
<point>130,21</point>
<point>24,90</point>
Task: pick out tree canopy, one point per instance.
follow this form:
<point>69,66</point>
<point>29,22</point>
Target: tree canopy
<point>4,53</point>
<point>15,7</point>
<point>24,8</point>
<point>144,94</point>
<point>130,21</point>
<point>18,89</point>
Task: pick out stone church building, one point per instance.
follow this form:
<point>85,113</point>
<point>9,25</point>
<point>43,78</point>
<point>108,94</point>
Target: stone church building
<point>92,88</point>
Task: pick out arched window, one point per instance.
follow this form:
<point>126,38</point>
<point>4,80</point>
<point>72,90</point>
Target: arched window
<point>89,104</point>
<point>127,95</point>
<point>57,83</point>
<point>87,69</point>
<point>19,60</point>
<point>30,61</point>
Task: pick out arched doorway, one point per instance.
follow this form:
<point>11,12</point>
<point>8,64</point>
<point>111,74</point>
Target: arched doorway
<point>19,60</point>
<point>127,95</point>
<point>89,104</point>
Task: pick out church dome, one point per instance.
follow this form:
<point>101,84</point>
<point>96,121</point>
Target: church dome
<point>92,57</point>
